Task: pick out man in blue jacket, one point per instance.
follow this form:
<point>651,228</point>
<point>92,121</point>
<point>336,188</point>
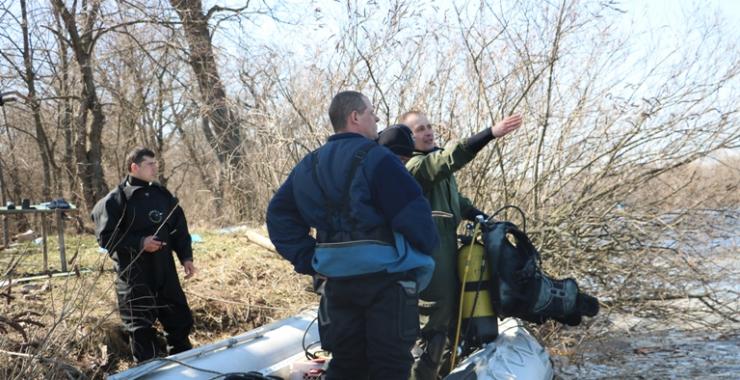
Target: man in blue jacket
<point>374,235</point>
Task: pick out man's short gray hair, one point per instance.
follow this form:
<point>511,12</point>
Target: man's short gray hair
<point>408,114</point>
<point>343,104</point>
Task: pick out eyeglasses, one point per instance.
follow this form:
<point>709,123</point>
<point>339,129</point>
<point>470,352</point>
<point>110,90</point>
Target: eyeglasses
<point>149,163</point>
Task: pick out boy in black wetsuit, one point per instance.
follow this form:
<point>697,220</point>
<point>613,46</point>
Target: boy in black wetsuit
<point>140,223</point>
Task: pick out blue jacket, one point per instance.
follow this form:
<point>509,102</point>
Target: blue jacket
<point>382,196</point>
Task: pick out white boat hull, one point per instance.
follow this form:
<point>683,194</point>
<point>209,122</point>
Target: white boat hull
<point>271,349</point>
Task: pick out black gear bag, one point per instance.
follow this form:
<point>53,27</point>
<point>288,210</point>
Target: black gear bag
<point>520,289</point>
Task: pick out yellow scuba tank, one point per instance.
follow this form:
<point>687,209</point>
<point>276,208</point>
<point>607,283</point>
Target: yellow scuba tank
<point>478,320</point>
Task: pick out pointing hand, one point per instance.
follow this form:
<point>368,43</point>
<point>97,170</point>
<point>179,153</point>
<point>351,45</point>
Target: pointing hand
<point>507,125</point>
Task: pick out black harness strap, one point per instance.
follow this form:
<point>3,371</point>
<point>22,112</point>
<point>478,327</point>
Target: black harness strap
<point>359,156</point>
<point>340,211</point>
<point>330,206</point>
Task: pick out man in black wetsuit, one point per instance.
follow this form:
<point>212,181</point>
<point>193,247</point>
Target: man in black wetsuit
<point>140,223</point>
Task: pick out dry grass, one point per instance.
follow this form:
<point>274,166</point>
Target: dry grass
<point>61,327</point>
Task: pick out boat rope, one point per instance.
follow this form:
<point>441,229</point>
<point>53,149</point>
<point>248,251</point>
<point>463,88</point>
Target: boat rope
<point>524,217</point>
<point>182,364</point>
<point>462,293</point>
<point>252,375</point>
<point>309,355</point>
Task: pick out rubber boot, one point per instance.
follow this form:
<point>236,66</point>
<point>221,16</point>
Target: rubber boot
<point>144,344</point>
<point>177,340</point>
<point>176,346</point>
<point>427,366</point>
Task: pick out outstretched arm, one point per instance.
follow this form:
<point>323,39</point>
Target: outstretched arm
<point>507,125</point>
<point>441,164</point>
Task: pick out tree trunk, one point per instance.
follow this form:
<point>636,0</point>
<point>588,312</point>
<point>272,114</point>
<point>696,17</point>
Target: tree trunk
<point>3,188</point>
<point>16,192</point>
<point>64,118</point>
<point>88,147</point>
<point>221,127</point>
<point>30,79</point>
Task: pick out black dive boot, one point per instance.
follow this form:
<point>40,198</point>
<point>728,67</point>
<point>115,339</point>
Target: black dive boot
<point>428,364</point>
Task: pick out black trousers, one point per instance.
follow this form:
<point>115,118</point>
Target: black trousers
<point>140,307</point>
<point>369,323</point>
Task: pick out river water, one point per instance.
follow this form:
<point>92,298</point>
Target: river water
<point>697,341</point>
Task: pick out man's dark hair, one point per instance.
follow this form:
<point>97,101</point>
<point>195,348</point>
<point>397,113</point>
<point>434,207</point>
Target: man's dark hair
<point>399,139</point>
<point>137,155</point>
<point>343,104</point>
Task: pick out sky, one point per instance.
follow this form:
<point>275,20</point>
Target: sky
<point>315,16</point>
<point>655,25</point>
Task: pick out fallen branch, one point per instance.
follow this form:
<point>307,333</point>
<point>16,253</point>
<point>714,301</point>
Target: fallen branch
<point>15,325</point>
<point>43,277</point>
<point>257,238</point>
<point>640,299</point>
<point>76,373</point>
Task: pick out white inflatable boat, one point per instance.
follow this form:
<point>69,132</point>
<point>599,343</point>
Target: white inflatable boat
<point>279,350</point>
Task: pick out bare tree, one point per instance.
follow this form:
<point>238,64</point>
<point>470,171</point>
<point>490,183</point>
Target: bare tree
<point>219,123</point>
<point>26,72</point>
<point>89,144</point>
<point>47,153</point>
<point>15,191</point>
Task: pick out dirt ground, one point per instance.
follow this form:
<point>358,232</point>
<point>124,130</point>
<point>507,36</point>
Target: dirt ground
<point>72,325</point>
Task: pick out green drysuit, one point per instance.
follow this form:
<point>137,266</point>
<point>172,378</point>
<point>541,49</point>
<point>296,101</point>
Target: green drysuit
<point>435,173</point>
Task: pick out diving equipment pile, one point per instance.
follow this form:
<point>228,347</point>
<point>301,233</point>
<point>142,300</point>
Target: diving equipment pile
<point>519,287</point>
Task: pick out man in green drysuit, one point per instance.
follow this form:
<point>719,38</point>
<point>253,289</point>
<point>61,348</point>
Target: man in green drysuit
<point>434,169</point>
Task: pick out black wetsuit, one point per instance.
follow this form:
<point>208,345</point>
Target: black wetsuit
<point>147,284</point>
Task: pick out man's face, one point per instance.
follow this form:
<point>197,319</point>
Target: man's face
<point>367,121</point>
<point>146,170</point>
<point>423,132</point>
